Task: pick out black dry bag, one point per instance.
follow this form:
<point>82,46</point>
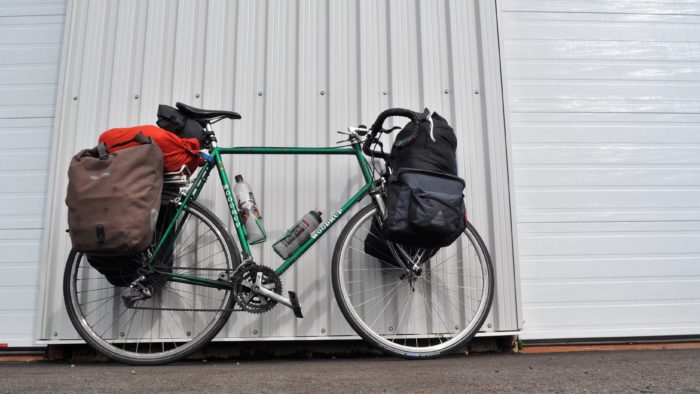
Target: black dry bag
<point>171,119</point>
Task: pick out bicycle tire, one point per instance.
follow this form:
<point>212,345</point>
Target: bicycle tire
<point>428,337</point>
<point>113,342</point>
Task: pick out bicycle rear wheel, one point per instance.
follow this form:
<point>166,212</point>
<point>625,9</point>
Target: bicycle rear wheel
<point>427,315</point>
<point>178,318</point>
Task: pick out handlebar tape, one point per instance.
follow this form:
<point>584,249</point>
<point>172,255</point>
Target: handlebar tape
<point>406,113</point>
<point>377,128</point>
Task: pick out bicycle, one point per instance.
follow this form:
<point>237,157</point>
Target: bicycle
<point>413,303</point>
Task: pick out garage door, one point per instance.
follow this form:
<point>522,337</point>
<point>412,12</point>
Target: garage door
<point>30,51</point>
<point>604,110</point>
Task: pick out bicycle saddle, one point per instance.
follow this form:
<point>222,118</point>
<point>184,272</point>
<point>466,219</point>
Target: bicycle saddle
<point>206,114</point>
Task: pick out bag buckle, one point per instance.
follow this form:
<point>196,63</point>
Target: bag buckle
<point>100,232</point>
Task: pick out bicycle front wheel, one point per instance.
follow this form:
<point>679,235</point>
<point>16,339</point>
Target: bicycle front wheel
<point>178,318</point>
<point>431,314</point>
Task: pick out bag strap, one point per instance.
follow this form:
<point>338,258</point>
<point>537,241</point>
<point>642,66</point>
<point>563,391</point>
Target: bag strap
<point>102,151</point>
<point>139,137</point>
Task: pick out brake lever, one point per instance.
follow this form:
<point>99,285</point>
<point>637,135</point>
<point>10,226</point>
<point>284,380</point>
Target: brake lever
<point>343,133</point>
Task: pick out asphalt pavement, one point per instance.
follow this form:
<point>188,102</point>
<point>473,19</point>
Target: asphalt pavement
<point>648,371</point>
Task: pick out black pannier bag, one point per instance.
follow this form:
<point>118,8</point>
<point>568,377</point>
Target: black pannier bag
<point>121,270</point>
<point>376,246</point>
<point>424,208</point>
<point>425,204</point>
<point>171,119</point>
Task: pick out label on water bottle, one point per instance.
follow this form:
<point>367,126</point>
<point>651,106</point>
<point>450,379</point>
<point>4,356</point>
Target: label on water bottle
<point>248,207</point>
<point>291,239</point>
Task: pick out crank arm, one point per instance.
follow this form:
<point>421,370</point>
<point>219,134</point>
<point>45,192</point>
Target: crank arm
<point>272,295</point>
<point>292,302</point>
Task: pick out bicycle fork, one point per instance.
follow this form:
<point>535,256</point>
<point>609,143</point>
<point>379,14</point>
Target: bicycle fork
<point>410,264</point>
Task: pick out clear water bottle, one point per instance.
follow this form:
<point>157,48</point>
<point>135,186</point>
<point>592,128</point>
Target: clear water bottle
<point>252,219</point>
<point>298,234</point>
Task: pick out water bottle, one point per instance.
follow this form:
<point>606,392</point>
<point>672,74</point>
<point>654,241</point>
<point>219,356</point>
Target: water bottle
<point>252,219</point>
<point>298,234</point>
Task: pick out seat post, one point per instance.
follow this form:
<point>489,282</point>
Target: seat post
<point>210,135</point>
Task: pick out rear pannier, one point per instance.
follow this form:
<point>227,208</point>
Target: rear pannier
<point>113,198</point>
<point>121,270</point>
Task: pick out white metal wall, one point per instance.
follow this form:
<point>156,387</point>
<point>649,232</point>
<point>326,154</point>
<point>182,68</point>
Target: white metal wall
<point>297,71</point>
<point>30,50</point>
<point>603,103</point>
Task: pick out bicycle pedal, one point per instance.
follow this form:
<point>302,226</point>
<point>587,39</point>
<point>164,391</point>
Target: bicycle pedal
<point>295,304</point>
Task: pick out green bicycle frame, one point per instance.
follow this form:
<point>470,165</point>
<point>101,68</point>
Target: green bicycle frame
<point>215,160</point>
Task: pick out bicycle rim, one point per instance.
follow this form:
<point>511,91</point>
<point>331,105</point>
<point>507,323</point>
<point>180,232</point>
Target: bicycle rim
<point>436,314</point>
<point>178,319</point>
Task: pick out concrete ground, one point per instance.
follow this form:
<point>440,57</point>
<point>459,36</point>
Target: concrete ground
<point>637,371</point>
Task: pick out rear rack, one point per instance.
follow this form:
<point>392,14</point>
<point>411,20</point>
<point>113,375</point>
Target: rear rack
<point>178,178</point>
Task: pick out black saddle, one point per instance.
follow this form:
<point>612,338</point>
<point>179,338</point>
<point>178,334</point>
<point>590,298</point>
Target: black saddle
<point>206,114</point>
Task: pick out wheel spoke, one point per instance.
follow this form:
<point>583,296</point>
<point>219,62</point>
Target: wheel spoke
<point>433,311</point>
<point>164,326</point>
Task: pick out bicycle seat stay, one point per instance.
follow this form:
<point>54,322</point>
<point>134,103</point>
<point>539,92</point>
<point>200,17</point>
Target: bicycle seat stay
<point>206,114</point>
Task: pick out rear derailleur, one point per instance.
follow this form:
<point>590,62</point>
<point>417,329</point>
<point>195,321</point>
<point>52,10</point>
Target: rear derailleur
<point>140,289</point>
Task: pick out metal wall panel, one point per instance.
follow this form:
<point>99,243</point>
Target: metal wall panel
<point>297,71</point>
<point>30,53</point>
<point>604,113</point>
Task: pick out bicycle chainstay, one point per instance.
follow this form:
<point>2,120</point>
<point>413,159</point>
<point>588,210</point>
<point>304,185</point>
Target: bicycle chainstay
<point>234,309</point>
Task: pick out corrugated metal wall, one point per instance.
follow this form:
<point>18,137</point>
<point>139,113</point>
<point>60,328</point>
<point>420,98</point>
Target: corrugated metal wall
<point>297,71</point>
<point>604,110</point>
<point>30,53</point>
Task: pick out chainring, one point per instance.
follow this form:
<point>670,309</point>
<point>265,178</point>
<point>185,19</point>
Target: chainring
<point>243,282</point>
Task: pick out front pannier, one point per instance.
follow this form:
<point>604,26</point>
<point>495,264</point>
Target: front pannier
<point>376,246</point>
<point>424,208</point>
<point>113,198</point>
<point>424,202</point>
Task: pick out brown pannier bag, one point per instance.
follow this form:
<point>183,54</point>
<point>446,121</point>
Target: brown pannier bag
<point>113,198</point>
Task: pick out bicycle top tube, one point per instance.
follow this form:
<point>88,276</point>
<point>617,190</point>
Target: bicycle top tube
<point>283,150</point>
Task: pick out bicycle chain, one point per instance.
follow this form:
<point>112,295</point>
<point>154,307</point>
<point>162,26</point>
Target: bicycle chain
<point>243,267</point>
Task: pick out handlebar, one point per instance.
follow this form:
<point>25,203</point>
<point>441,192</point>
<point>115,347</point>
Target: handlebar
<point>406,113</point>
<point>377,128</point>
